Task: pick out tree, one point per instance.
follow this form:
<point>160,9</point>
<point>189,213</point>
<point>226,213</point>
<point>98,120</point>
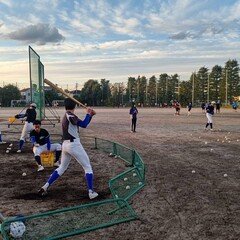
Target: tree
<point>52,95</point>
<point>215,79</point>
<point>132,89</point>
<point>230,83</point>
<point>152,86</point>
<point>91,93</point>
<point>185,92</point>
<point>163,86</point>
<point>8,93</point>
<point>201,84</point>
<point>105,92</point>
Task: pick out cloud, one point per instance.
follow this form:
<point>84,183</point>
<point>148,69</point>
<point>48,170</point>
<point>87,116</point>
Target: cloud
<point>6,2</point>
<point>180,36</point>
<point>39,33</point>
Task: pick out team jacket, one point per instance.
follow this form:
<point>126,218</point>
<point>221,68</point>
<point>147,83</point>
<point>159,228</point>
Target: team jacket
<point>41,138</point>
<point>133,112</point>
<point>30,114</point>
<point>71,123</point>
<point>210,109</point>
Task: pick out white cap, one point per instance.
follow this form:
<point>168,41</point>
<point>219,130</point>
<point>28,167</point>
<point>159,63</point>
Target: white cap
<point>33,105</point>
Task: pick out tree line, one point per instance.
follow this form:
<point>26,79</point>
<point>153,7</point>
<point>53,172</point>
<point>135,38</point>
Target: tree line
<point>219,83</point>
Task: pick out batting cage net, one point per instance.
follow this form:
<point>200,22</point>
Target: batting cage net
<point>84,218</point>
<point>36,70</point>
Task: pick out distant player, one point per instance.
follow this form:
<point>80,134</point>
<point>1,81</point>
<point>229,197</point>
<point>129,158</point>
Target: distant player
<point>234,105</point>
<point>218,106</point>
<point>203,106</point>
<point>189,107</point>
<point>72,147</point>
<point>30,115</point>
<point>177,107</point>
<point>209,115</point>
<point>40,139</point>
<point>133,112</point>
<point>1,141</point>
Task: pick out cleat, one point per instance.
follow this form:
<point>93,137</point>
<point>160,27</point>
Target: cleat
<point>19,151</point>
<point>56,164</point>
<point>42,192</point>
<point>40,168</point>
<point>92,194</point>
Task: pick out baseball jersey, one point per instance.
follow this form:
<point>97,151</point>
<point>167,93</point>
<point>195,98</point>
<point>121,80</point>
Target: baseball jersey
<point>41,138</point>
<point>71,123</point>
<point>210,109</point>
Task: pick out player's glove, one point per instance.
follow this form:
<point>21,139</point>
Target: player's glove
<point>16,116</point>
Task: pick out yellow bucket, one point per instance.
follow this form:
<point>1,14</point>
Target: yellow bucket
<point>47,159</point>
<point>11,119</point>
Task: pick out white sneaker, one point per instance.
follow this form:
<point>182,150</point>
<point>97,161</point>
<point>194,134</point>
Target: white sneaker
<point>92,194</point>
<point>3,142</point>
<point>40,168</point>
<point>19,151</point>
<point>56,164</point>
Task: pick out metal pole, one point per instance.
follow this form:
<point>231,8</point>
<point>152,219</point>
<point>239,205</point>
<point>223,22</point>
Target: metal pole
<point>226,86</point>
<point>208,88</point>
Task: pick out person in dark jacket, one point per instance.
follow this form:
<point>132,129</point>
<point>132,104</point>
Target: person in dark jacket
<point>133,112</point>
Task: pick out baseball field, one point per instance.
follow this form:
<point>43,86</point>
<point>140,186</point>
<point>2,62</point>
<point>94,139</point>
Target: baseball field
<point>192,187</point>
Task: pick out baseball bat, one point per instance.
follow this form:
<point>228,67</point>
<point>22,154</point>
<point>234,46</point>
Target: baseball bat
<point>62,92</point>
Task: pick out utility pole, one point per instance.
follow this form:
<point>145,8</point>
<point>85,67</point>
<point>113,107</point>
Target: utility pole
<point>146,92</point>
<point>178,88</point>
<point>226,86</point>
<point>156,93</point>
<point>208,88</point>
<point>193,88</point>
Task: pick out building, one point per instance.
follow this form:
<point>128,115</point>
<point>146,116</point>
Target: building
<point>26,95</point>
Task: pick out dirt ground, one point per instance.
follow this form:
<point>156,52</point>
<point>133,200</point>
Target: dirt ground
<point>187,196</point>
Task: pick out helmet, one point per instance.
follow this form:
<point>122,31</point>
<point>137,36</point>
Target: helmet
<point>33,105</point>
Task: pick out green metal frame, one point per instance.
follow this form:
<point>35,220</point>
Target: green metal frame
<point>122,187</point>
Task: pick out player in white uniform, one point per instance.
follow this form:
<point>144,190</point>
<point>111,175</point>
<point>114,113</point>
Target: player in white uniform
<point>30,115</point>
<point>72,147</point>
<point>40,139</point>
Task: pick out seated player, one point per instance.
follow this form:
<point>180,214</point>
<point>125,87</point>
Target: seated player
<point>40,139</point>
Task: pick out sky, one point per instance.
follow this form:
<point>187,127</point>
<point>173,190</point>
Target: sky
<point>95,39</point>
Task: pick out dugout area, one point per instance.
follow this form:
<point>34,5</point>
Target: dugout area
<point>112,207</point>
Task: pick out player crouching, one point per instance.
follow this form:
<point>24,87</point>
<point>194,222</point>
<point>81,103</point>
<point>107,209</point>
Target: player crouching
<point>40,139</point>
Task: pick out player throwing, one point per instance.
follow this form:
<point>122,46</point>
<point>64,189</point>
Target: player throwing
<point>30,115</point>
<point>209,114</point>
<point>72,147</point>
<point>40,139</point>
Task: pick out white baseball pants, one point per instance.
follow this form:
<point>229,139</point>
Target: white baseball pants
<point>54,147</point>
<point>26,130</point>
<point>209,117</point>
<point>75,150</point>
